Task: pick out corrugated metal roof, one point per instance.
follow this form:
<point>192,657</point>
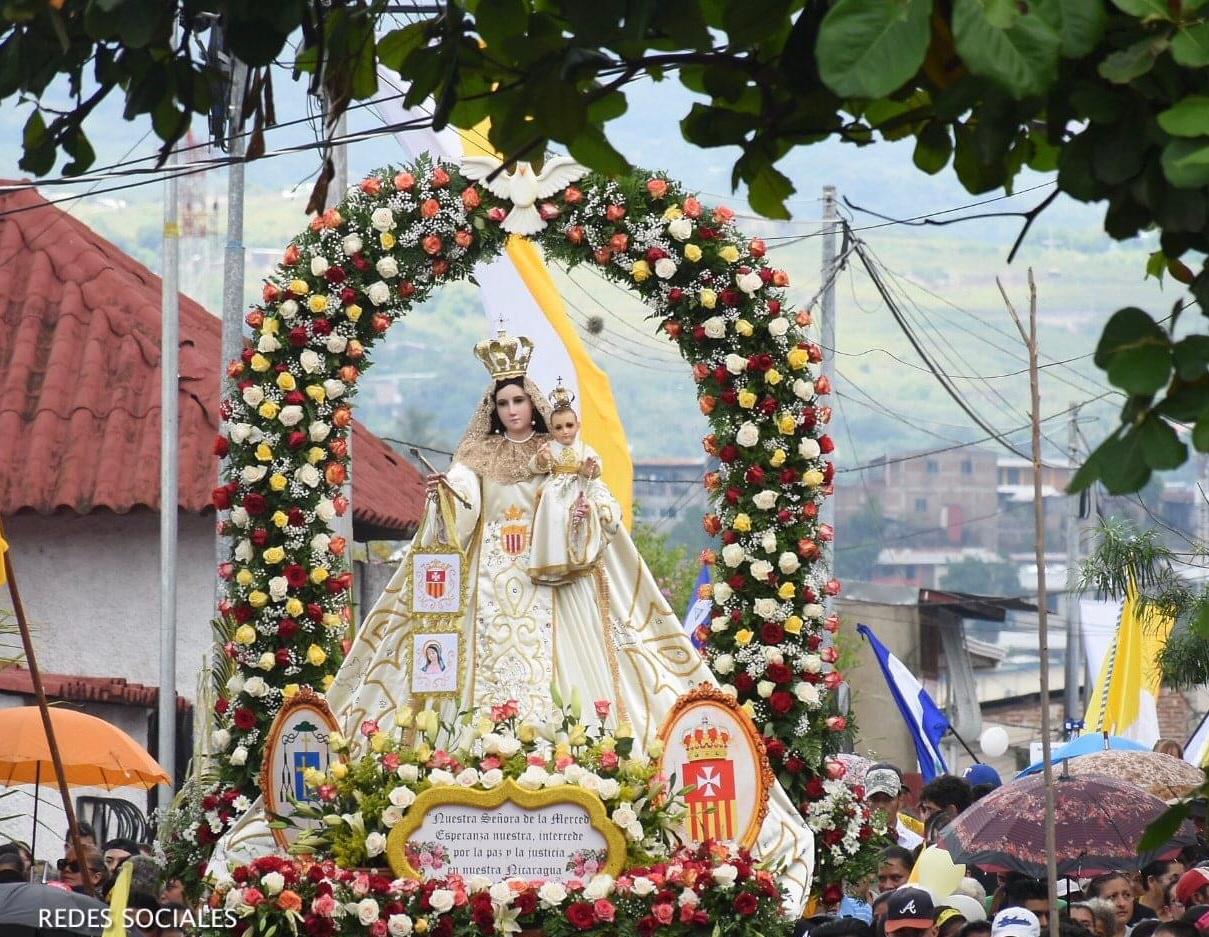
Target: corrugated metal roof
<point>80,383</point>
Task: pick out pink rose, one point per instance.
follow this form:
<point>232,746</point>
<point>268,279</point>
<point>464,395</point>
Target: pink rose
<point>664,912</point>
<point>602,708</point>
<point>603,909</point>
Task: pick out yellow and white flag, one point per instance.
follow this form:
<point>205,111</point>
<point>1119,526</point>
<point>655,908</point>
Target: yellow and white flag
<point>517,288</point>
<point>1124,700</point>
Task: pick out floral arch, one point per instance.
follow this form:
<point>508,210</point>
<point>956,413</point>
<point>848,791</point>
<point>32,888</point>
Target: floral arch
<point>287,408</point>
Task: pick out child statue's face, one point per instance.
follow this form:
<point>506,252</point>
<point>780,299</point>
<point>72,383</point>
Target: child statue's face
<point>564,426</point>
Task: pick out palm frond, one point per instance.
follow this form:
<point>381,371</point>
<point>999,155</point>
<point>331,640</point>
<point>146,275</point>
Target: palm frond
<point>1121,554</point>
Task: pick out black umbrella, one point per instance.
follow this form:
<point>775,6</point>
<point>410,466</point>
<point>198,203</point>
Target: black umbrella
<point>32,910</point>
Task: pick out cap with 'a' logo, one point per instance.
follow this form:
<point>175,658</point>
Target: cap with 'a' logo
<point>909,907</point>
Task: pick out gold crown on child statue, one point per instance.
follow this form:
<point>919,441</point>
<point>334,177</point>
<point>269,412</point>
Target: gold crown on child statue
<point>505,356</point>
<point>561,397</point>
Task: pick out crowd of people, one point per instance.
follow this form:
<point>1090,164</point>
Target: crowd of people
<point>1167,898</point>
<point>160,901</point>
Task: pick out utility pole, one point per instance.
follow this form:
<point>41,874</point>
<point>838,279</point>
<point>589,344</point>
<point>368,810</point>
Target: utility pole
<point>1073,707</point>
<point>169,456</point>
<point>831,224</point>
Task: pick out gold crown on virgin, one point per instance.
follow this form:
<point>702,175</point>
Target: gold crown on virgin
<point>505,355</point>
<point>561,397</point>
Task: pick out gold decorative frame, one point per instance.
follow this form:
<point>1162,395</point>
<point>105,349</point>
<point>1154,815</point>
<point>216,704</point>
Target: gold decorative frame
<point>305,698</point>
<point>705,696</point>
<point>396,840</point>
<point>442,549</point>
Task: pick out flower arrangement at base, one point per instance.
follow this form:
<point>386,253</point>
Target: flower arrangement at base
<point>703,890</point>
<point>357,803</point>
<point>849,834</point>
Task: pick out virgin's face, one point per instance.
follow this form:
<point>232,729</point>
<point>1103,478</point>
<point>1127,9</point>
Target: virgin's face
<point>515,410</point>
<point>431,653</point>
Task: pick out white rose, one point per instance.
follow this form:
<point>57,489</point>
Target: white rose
<point>813,610</point>
<point>788,563</point>
<point>288,309</point>
<point>765,499</point>
<point>367,911</point>
<point>351,244</point>
<point>532,778</point>
<point>778,326</point>
<point>509,746</point>
<point>273,883</point>
<point>766,608</point>
<point>808,448</point>
<point>320,543</point>
<point>441,900</point>
<point>732,554</point>
<point>375,844</point>
<point>235,685</point>
<point>240,432</point>
<point>383,219</point>
<point>715,327</point>
<point>325,510</point>
<point>688,898</point>
<point>773,656</point>
<point>334,388</point>
<point>736,364</point>
<point>391,816</point>
<point>290,415</point>
<point>680,228</point>
<point>812,663</point>
<point>608,789</point>
<point>439,777</point>
<point>768,541</point>
<point>336,343</point>
<point>599,887</point>
<point>552,894</point>
<point>748,434</point>
<point>220,739</point>
<point>267,661</point>
<point>398,925</point>
<point>803,388</point>
<point>402,797</point>
<point>748,282</point>
<point>308,475</point>
<point>555,779</point>
<point>719,623</point>
<point>643,886</point>
<point>624,815</point>
<point>378,293</point>
<point>724,663</point>
<point>761,569</point>
<point>725,875</point>
<point>319,266</point>
<point>387,267</point>
<point>665,268</point>
<point>408,774</point>
<point>253,396</point>
<point>493,777</point>
<point>310,361</point>
<point>501,893</point>
<point>807,693</point>
<point>267,344</point>
<point>239,756</point>
<point>764,688</point>
<point>722,593</point>
<point>243,550</point>
<point>467,777</point>
<point>730,690</point>
<point>318,431</point>
<point>251,474</point>
<point>256,687</point>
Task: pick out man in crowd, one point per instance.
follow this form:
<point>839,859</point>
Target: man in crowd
<point>910,913</point>
<point>1016,922</point>
<point>884,792</point>
<point>1192,888</point>
<point>1154,880</point>
<point>117,851</point>
<point>1029,894</point>
<point>893,868</point>
<point>944,792</point>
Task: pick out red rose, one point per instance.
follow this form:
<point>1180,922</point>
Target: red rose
<point>733,495</point>
<point>254,504</point>
<point>295,397</point>
<point>772,633</point>
<point>242,613</point>
<point>220,707</point>
<point>221,498</point>
<point>604,910</point>
<point>321,327</point>
<point>282,657</point>
<point>779,673</point>
<point>746,904</point>
<point>755,475</point>
<point>299,336</point>
<point>259,536</point>
<point>295,575</point>
<point>780,702</point>
<point>296,517</point>
<point>728,454</point>
<point>774,747</point>
<point>745,683</point>
<point>826,444</point>
<point>287,628</point>
<point>314,611</point>
<point>222,446</point>
<point>526,903</point>
<point>730,297</point>
<point>296,439</point>
<point>335,275</point>
<point>580,915</point>
<point>244,719</point>
<point>794,764</point>
<point>675,295</point>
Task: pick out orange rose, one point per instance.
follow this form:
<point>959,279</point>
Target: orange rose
<point>342,417</point>
<point>316,223</point>
<point>471,198</point>
<point>371,185</point>
<point>803,318</point>
<point>708,557</point>
<point>332,218</point>
<point>429,207</point>
<point>235,369</point>
<point>440,267</point>
<point>619,242</point>
<point>335,474</point>
<point>379,323</point>
<point>432,244</point>
<point>602,255</point>
<point>673,328</point>
<point>572,195</point>
<point>707,404</point>
<point>338,448</point>
<point>712,481</point>
<point>349,374</point>
<point>337,546</point>
<point>723,214</point>
<point>355,349</point>
<point>692,207</point>
<point>270,293</point>
<point>701,371</point>
<point>289,901</point>
<point>657,188</point>
<point>463,239</point>
<point>780,278</point>
<point>576,234</point>
<point>710,444</point>
<point>292,254</point>
<point>439,178</point>
<point>404,181</point>
<point>712,524</point>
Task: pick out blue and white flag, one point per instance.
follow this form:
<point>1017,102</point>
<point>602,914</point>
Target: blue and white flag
<point>926,723</point>
<point>697,613</point>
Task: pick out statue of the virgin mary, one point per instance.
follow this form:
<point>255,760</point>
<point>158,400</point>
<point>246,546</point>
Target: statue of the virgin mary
<point>608,635</point>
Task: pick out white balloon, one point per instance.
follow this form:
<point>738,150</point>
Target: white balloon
<point>993,741</point>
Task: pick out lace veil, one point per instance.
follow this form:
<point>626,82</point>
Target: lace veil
<point>491,455</point>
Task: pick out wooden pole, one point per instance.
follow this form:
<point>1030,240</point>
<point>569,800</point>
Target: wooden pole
<point>1030,340</point>
<point>35,677</point>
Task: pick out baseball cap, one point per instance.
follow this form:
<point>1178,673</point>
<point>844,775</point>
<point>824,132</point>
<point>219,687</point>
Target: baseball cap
<point>909,907</point>
<point>1190,883</point>
<point>983,774</point>
<point>1015,922</point>
<point>882,780</point>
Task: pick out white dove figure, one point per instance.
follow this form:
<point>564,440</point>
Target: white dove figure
<point>523,187</point>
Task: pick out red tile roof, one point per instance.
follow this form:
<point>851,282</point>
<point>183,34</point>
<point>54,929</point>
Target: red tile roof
<point>80,383</point>
<point>61,686</point>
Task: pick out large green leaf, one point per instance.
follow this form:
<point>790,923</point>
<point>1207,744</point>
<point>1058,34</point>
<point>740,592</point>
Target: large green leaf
<point>1186,162</point>
<point>1135,351</point>
<point>398,44</point>
<point>767,190</point>
<point>1022,58</point>
<point>1125,65</point>
<point>869,48</point>
<point>1188,117</point>
<point>1190,47</point>
<point>1144,9</point>
<point>1083,24</point>
<point>592,149</point>
<point>1161,447</point>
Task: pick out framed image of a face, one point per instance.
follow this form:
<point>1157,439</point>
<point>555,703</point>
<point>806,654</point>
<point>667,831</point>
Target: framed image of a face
<point>436,663</point>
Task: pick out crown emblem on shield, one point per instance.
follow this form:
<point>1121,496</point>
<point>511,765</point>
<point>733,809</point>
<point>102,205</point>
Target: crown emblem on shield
<point>436,578</point>
<point>711,774</point>
<point>514,532</point>
<point>706,741</point>
<point>505,356</point>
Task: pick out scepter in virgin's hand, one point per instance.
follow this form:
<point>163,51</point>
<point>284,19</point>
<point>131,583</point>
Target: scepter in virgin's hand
<point>440,477</point>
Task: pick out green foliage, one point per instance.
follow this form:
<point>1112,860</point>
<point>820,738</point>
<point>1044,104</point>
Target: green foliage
<point>863,535</point>
<point>982,578</point>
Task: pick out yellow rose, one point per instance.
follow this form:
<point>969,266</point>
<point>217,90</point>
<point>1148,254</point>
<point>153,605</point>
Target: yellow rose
<point>778,458</point>
<point>264,453</point>
<point>244,577</point>
<point>672,212</point>
<point>328,680</point>
<point>313,776</point>
<point>640,271</point>
<point>403,717</point>
<point>379,741</point>
<point>339,770</point>
<point>315,455</point>
<point>269,410</point>
<point>793,625</point>
<point>280,519</point>
<point>316,392</point>
<point>655,749</point>
<point>293,607</point>
<point>353,312</point>
<point>260,362</point>
<point>285,380</point>
<point>749,709</point>
<point>289,691</point>
<point>624,730</point>
<point>274,554</point>
<point>299,287</point>
<point>742,523</point>
<point>747,399</point>
<point>277,481</point>
<point>787,423</point>
<point>772,376</point>
<point>798,358</point>
<point>812,478</point>
<point>317,303</point>
<point>527,733</point>
<point>692,252</point>
<point>729,253</point>
<point>421,925</point>
<point>270,326</point>
<point>331,621</point>
<point>743,327</point>
<point>608,744</point>
<point>257,599</point>
<point>787,591</point>
<point>743,638</point>
<point>245,634</point>
<point>708,299</point>
<point>319,575</point>
<point>387,240</point>
<point>315,655</point>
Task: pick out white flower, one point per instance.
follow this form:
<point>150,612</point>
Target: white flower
<point>764,688</point>
<point>240,432</point>
<point>532,778</point>
<point>387,267</point>
<point>467,777</point>
<point>235,685</point>
<point>812,663</point>
<point>808,448</point>
<point>765,608</point>
<point>688,898</point>
<point>643,886</point>
<point>375,844</point>
<point>239,755</point>
<point>243,550</point>
<point>290,415</point>
<point>765,499</point>
<point>761,569</point>
<point>807,693</point>
<point>477,883</point>
<point>408,774</point>
<point>599,887</point>
<point>378,293</point>
<point>325,510</point>
<point>725,875</point>
<point>319,431</point>
<point>730,690</point>
<point>251,474</point>
<point>724,663</point>
<point>748,434</point>
<point>320,543</point>
<point>624,815</point>
<point>555,779</point>
<point>509,745</point>
<point>491,778</point>
<point>441,900</point>
<point>680,228</point>
<point>273,883</point>
<point>351,244</point>
<point>391,816</point>
<point>735,364</point>
<point>256,687</point>
<point>732,554</point>
<point>608,789</point>
<point>778,326</point>
<point>336,343</point>
<point>552,894</point>
<point>402,797</point>
<point>803,388</point>
<point>715,327</point>
<point>788,563</point>
<point>310,360</point>
<point>367,911</point>
<point>768,541</point>
<point>268,344</point>
<point>719,623</point>
<point>239,517</point>
<point>665,268</point>
<point>308,475</point>
<point>319,266</point>
<point>334,388</point>
<point>748,282</point>
<point>383,219</point>
<point>241,804</point>
<point>813,610</point>
<point>722,593</point>
<point>288,309</point>
<point>439,777</point>
<point>220,739</point>
<point>397,925</point>
<point>253,396</point>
